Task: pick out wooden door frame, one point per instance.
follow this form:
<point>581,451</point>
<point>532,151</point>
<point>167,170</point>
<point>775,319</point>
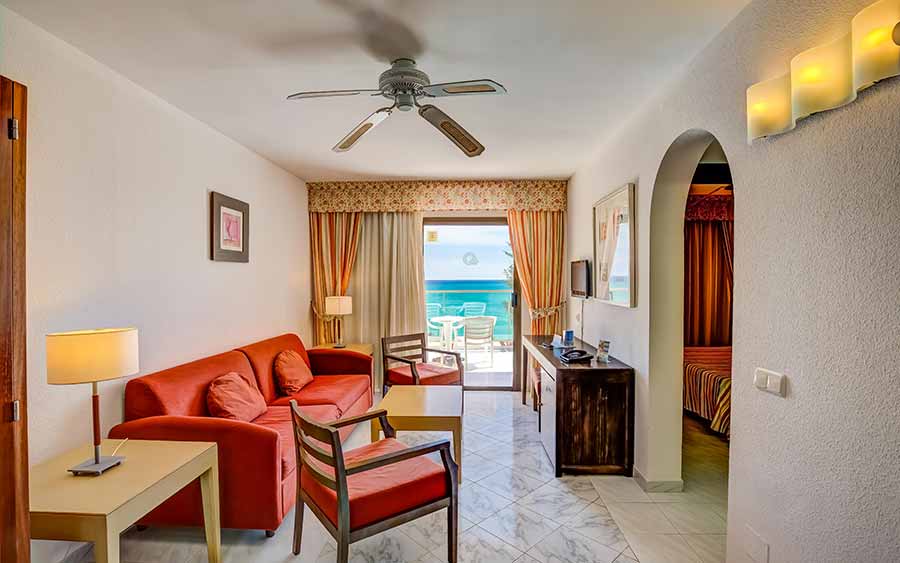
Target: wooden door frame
<point>517,316</point>
<point>14,507</point>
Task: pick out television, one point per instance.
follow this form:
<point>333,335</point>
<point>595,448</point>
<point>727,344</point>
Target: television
<point>581,278</point>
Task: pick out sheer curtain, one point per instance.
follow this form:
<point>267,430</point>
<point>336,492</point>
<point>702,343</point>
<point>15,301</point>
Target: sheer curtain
<point>387,282</point>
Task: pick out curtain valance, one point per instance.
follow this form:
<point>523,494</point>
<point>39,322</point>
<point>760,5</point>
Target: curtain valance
<point>438,195</point>
<point>709,208</point>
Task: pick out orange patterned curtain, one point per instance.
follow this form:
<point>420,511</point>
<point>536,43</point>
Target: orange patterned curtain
<point>334,238</point>
<point>538,243</point>
<point>708,251</point>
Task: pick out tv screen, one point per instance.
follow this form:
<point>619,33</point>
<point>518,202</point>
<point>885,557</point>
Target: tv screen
<point>581,278</point>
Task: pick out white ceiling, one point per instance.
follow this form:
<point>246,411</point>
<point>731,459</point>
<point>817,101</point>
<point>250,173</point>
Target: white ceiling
<point>574,70</point>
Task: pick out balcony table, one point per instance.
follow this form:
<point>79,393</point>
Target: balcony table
<point>447,323</point>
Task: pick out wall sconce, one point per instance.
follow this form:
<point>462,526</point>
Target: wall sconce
<point>829,76</point>
<point>769,108</point>
<point>822,78</point>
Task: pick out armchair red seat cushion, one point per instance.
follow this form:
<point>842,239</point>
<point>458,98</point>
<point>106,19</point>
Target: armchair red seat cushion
<point>257,459</point>
<point>383,492</point>
<point>429,374</point>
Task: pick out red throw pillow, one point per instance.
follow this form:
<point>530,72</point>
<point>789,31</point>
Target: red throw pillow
<point>292,372</point>
<point>233,397</point>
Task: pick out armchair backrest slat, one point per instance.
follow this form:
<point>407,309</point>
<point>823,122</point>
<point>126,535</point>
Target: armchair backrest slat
<point>409,346</point>
<point>309,438</point>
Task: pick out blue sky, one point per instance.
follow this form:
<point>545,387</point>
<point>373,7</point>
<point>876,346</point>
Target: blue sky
<point>445,258</point>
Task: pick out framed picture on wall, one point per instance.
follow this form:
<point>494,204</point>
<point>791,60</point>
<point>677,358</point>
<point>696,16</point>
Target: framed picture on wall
<point>614,243</point>
<point>229,229</point>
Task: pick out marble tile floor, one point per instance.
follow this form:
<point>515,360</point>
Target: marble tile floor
<point>512,509</point>
<point>685,527</point>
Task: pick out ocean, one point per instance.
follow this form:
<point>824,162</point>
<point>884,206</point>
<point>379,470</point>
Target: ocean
<point>495,294</point>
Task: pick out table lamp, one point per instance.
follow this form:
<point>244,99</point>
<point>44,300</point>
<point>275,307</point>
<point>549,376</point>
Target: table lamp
<point>91,356</point>
<point>339,306</point>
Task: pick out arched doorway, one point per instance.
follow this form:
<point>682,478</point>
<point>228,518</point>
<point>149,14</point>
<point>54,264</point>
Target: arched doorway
<point>667,309</point>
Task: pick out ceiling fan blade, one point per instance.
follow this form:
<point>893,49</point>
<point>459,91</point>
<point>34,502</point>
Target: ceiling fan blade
<point>331,94</point>
<point>367,125</point>
<point>464,88</point>
<point>452,130</point>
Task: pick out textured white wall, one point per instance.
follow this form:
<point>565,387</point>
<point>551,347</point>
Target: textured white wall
<point>117,233</point>
<point>817,291</point>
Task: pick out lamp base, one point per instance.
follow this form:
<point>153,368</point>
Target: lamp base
<point>91,468</point>
<point>340,345</point>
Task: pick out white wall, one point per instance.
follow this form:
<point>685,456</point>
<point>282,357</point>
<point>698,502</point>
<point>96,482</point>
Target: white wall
<point>117,211</point>
<point>817,291</point>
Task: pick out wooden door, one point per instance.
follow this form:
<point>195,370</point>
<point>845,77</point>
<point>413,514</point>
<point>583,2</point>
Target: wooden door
<point>14,514</point>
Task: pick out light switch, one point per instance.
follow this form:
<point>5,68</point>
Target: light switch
<point>761,378</point>
<point>775,384</point>
<point>769,381</point>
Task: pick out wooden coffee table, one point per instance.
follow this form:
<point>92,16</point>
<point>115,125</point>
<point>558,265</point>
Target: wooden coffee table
<point>98,509</point>
<point>425,408</point>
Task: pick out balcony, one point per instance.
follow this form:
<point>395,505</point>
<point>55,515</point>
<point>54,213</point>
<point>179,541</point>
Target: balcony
<point>473,317</point>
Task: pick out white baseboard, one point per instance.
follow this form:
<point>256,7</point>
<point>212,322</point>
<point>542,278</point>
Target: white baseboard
<point>658,486</point>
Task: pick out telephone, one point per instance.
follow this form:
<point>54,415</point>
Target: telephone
<point>575,356</point>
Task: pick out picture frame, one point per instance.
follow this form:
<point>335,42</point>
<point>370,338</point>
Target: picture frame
<point>229,229</point>
<point>615,236</point>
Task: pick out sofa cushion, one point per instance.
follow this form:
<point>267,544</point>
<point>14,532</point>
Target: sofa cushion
<point>233,397</point>
<point>181,390</point>
<point>339,390</point>
<point>279,419</point>
<point>292,372</point>
<point>262,357</point>
<point>379,493</point>
<point>429,374</point>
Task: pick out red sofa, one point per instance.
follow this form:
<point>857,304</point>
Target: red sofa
<point>257,460</point>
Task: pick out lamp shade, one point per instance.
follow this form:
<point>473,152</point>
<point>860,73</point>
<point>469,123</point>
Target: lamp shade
<point>86,356</point>
<point>339,305</point>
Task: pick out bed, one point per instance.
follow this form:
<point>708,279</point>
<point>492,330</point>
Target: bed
<point>707,385</point>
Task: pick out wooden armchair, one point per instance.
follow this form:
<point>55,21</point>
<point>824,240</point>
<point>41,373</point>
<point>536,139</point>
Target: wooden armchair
<point>372,488</point>
<point>405,363</point>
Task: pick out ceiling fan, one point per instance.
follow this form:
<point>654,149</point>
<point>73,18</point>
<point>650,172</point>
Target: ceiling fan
<point>406,85</point>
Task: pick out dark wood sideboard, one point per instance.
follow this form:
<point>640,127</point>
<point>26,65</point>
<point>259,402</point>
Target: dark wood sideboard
<point>586,410</point>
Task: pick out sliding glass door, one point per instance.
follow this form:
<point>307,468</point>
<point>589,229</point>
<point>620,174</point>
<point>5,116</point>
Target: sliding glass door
<point>471,303</point>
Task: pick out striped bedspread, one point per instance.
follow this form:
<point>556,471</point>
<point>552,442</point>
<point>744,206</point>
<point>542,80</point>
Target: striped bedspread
<point>707,385</point>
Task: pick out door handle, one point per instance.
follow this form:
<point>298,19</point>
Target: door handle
<point>514,300</point>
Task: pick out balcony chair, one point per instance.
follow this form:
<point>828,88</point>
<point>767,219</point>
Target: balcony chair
<point>472,309</point>
<point>433,310</point>
<point>479,331</point>
<point>405,361</point>
<point>372,488</point>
